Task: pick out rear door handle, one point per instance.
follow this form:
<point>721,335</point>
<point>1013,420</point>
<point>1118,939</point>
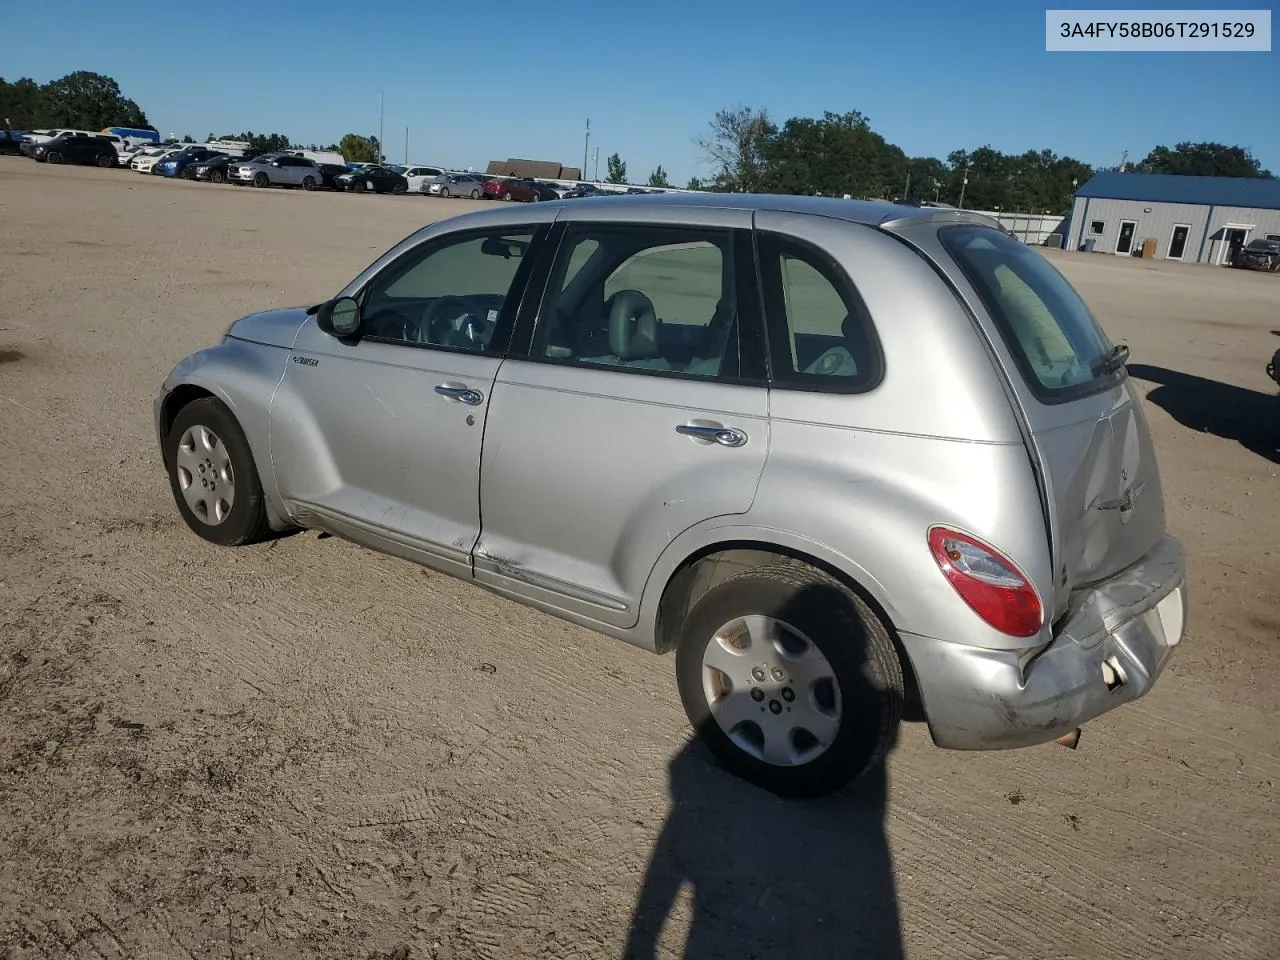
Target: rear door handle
<point>713,433</point>
<point>460,393</point>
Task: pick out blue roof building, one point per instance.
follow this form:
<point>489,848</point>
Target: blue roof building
<point>1190,219</point>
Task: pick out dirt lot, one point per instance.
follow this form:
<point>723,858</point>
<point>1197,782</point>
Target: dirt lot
<point>306,749</point>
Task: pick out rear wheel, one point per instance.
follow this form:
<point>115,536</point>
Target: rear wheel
<point>475,194</point>
<point>212,475</point>
<point>790,679</point>
<point>398,188</point>
<point>188,173</point>
<point>506,195</point>
<point>261,180</point>
<point>308,183</point>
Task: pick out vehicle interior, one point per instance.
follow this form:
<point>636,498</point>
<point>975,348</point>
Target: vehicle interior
<point>643,299</point>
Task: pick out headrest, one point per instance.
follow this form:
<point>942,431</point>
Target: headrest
<point>633,326</point>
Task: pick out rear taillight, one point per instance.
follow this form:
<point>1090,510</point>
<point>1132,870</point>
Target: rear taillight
<point>988,582</point>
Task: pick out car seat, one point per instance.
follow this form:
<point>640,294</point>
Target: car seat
<point>842,359</point>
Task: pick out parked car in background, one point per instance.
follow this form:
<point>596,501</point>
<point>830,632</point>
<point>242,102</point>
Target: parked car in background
<point>213,169</point>
<point>183,162</point>
<point>419,174</point>
<point>11,142</point>
<point>520,189</point>
<point>1273,368</point>
<point>581,190</point>
<point>373,179</point>
<point>145,162</point>
<point>329,173</point>
<point>76,148</point>
<point>277,170</point>
<point>776,496</point>
<point>1259,254</point>
<point>454,185</point>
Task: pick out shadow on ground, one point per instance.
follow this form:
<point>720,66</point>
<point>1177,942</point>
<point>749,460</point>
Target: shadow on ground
<point>1248,417</point>
<point>771,877</point>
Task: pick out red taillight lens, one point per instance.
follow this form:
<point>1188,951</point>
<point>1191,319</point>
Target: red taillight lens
<point>988,582</point>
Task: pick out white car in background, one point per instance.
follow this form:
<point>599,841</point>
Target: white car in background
<point>418,175</point>
<point>146,161</point>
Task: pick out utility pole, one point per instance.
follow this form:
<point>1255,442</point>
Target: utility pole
<point>963,184</point>
<point>381,154</point>
<point>596,178</point>
<point>586,144</point>
<point>406,146</point>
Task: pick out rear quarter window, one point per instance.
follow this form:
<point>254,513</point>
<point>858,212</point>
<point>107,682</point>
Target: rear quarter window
<point>1055,339</point>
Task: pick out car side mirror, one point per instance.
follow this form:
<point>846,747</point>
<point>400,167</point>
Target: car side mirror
<point>339,318</point>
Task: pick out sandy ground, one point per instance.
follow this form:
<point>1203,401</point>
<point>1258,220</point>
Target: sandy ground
<point>305,749</point>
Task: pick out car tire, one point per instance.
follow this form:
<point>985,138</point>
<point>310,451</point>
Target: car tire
<point>506,195</point>
<point>105,160</point>
<point>261,180</point>
<point>212,475</point>
<point>535,197</point>
<point>53,156</point>
<point>358,186</point>
<point>806,620</point>
<point>188,173</point>
<point>398,188</point>
<point>216,176</point>
<point>308,183</point>
<point>444,193</point>
<point>475,194</point>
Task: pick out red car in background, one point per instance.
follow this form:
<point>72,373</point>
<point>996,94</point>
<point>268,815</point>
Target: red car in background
<point>518,188</point>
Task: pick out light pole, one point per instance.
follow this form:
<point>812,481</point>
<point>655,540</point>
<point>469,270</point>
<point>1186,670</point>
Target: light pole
<point>596,177</point>
<point>585,146</point>
<point>406,146</point>
<point>381,155</point>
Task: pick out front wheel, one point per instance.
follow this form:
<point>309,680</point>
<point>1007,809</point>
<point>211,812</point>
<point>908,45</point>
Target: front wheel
<point>54,156</point>
<point>261,180</point>
<point>308,183</point>
<point>216,176</point>
<point>105,160</point>
<point>358,186</point>
<point>212,474</point>
<point>790,679</point>
<point>444,192</point>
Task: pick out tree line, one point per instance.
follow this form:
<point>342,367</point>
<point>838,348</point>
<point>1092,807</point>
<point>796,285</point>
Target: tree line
<point>839,153</point>
<point>81,101</point>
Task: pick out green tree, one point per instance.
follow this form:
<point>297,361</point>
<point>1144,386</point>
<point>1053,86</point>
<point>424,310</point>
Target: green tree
<point>188,138</point>
<point>357,149</point>
<point>89,101</point>
<point>735,143</point>
<point>259,143</point>
<point>1202,160</point>
<point>617,169</point>
<point>22,104</point>
<point>695,183</point>
<point>659,178</point>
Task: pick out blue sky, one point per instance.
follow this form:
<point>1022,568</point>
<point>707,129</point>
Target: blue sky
<point>499,79</point>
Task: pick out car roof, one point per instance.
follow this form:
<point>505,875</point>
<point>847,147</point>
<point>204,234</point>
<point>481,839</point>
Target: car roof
<point>869,212</point>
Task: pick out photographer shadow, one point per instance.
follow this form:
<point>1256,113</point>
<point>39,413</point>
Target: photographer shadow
<point>772,877</point>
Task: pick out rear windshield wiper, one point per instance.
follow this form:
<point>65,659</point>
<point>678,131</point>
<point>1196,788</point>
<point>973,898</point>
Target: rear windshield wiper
<point>1111,361</point>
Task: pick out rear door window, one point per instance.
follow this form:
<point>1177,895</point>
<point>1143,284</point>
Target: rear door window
<point>1057,343</point>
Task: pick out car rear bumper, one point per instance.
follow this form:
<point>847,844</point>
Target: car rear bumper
<point>1113,646</point>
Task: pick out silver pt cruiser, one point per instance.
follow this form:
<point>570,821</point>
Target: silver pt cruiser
<point>832,454</point>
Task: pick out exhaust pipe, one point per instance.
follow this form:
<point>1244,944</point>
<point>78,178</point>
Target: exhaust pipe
<point>1069,740</point>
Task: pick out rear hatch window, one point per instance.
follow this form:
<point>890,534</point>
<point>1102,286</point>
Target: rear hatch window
<point>1057,343</point>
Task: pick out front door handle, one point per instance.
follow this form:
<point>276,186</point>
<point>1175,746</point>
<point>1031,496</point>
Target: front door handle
<point>462,394</point>
<point>713,433</point>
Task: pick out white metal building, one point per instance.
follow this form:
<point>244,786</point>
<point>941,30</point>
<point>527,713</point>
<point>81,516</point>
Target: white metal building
<point>1191,219</point>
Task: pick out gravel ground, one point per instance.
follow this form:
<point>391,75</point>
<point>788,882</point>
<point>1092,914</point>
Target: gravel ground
<point>305,749</point>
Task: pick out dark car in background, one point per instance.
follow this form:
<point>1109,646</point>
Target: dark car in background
<point>76,148</point>
<point>372,178</point>
<point>11,142</point>
<point>581,190</point>
<point>1259,254</point>
<point>213,169</point>
<point>329,173</point>
<point>182,163</point>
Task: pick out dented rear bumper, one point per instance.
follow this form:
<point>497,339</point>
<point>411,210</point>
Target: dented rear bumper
<point>1112,647</point>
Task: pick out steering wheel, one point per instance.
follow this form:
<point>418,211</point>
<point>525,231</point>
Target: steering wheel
<point>450,313</point>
